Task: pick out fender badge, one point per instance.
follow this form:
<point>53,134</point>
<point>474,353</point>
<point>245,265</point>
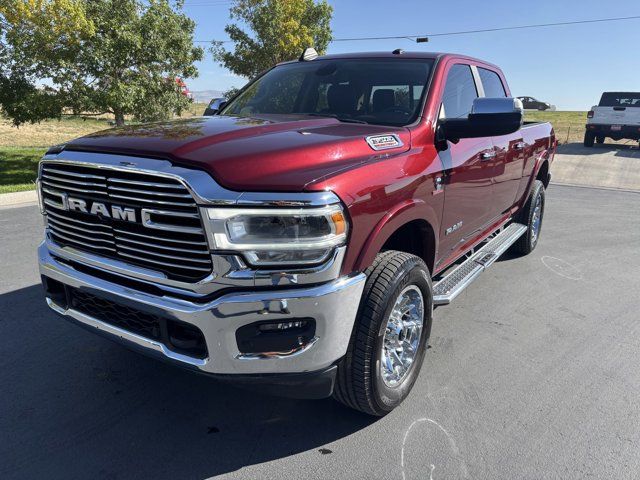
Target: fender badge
<point>384,142</point>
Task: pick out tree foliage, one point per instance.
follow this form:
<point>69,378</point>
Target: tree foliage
<point>34,36</point>
<point>278,30</point>
<point>99,56</point>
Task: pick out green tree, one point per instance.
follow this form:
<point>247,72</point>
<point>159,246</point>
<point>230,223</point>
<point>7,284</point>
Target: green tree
<point>279,30</point>
<point>106,56</point>
<point>35,35</point>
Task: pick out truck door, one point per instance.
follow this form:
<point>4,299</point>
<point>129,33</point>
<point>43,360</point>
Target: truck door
<point>509,164</point>
<point>510,149</point>
<point>468,169</point>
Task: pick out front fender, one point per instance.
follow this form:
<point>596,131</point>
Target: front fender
<point>395,218</point>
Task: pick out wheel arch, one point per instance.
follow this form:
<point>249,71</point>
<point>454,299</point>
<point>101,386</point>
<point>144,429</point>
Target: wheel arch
<point>542,173</point>
<point>410,227</point>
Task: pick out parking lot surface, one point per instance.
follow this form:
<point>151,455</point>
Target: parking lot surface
<point>533,372</point>
<point>612,165</point>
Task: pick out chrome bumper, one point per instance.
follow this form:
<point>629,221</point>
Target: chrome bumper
<point>333,305</point>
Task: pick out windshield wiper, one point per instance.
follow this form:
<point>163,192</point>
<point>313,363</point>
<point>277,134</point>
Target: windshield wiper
<point>333,115</point>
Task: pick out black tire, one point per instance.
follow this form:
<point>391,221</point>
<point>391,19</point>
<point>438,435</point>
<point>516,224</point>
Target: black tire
<point>589,138</point>
<point>600,139</point>
<point>528,241</point>
<point>359,382</point>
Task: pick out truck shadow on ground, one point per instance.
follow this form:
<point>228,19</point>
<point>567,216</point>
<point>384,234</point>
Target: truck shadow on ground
<point>80,406</point>
<point>629,150</point>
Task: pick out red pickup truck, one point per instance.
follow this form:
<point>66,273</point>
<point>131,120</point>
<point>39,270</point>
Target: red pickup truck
<point>298,240</point>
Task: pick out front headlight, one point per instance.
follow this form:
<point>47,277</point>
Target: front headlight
<point>278,236</point>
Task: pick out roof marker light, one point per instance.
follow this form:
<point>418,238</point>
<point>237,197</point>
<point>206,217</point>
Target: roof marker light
<point>308,55</point>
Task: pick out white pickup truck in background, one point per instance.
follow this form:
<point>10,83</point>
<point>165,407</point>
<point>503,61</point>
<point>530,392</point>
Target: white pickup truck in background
<point>617,116</point>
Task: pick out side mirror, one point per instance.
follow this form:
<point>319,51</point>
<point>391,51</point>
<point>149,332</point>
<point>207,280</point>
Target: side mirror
<point>489,117</point>
<point>215,105</point>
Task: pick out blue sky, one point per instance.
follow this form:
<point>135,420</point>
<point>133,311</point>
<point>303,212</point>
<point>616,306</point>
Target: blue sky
<point>568,66</point>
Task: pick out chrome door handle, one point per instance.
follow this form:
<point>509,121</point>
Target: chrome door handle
<point>484,156</point>
<point>519,146</point>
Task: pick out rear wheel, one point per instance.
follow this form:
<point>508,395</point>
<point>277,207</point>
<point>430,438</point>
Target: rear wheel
<point>531,216</point>
<point>589,138</point>
<point>390,337</point>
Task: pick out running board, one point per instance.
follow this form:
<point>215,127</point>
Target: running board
<point>464,274</point>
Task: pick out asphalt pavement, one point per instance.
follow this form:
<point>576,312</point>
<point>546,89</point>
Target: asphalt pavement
<point>533,372</point>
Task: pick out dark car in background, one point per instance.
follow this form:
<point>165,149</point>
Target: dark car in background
<point>530,103</point>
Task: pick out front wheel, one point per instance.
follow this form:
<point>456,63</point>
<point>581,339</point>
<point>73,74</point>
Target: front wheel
<point>390,336</point>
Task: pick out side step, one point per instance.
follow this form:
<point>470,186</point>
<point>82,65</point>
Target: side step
<point>461,276</point>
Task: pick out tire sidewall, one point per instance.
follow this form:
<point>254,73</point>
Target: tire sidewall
<point>589,139</point>
<point>538,192</point>
<point>385,396</point>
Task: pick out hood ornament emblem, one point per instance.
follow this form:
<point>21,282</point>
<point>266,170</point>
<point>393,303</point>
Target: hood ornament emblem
<point>384,142</point>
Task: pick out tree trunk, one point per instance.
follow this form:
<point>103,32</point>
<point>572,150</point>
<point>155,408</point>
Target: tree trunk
<point>119,118</point>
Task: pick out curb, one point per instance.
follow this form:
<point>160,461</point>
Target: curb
<point>18,199</point>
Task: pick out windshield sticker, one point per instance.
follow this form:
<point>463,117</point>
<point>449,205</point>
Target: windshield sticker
<point>383,142</point>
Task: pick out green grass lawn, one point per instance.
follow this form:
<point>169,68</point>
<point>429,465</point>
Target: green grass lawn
<point>21,148</point>
<point>569,126</point>
<point>19,168</point>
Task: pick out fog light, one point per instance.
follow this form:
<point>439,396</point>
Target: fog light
<point>275,337</point>
<point>271,327</point>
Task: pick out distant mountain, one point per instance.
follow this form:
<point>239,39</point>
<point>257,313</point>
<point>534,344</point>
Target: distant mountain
<point>205,96</point>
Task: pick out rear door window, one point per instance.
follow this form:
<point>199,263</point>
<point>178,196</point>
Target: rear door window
<point>492,84</point>
<point>459,92</point>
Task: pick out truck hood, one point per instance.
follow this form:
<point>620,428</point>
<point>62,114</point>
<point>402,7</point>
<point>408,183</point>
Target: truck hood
<point>265,153</point>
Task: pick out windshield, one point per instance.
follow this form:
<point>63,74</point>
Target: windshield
<point>379,91</point>
<point>612,99</point>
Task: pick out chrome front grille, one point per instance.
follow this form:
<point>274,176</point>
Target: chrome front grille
<point>171,240</point>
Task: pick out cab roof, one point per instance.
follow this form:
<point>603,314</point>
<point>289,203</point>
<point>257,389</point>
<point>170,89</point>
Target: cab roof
<point>391,54</point>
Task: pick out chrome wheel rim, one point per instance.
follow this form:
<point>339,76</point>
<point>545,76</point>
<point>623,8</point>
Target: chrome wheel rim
<point>536,220</point>
<point>402,336</point>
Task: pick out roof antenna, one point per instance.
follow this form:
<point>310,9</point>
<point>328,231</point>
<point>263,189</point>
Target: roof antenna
<point>398,51</point>
<point>308,55</point>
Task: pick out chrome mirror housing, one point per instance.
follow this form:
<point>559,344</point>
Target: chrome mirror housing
<point>489,117</point>
<point>493,106</point>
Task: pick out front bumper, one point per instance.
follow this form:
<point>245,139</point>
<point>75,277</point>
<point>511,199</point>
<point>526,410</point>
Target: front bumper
<point>332,305</point>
